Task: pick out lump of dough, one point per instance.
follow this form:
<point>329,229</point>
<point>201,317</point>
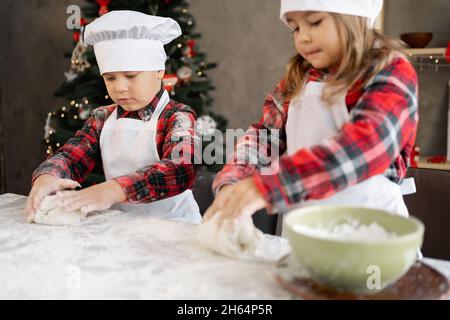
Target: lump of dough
<point>49,213</point>
<point>242,241</point>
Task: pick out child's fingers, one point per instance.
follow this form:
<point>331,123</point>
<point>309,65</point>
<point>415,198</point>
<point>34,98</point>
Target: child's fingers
<point>210,212</point>
<point>233,208</point>
<point>86,209</point>
<point>37,198</point>
<point>68,183</point>
<point>29,215</point>
<point>66,194</point>
<point>75,202</point>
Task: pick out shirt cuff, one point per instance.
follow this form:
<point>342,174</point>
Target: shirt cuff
<point>40,173</point>
<point>272,191</point>
<point>132,191</point>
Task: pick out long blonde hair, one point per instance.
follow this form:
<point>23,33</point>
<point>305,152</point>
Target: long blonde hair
<point>365,53</point>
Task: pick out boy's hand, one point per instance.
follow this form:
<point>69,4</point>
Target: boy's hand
<point>236,201</point>
<point>98,197</point>
<point>45,185</point>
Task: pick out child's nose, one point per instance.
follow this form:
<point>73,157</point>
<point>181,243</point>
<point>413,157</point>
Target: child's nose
<point>121,85</point>
<point>305,36</point>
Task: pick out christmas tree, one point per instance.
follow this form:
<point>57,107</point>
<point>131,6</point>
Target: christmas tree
<point>186,77</point>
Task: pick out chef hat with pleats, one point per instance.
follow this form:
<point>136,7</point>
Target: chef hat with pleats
<point>126,40</point>
<point>363,8</point>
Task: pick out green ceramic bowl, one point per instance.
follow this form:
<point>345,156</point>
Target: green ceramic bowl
<point>356,266</point>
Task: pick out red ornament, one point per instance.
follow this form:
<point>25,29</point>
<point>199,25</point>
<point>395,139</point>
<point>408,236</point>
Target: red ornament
<point>447,53</point>
<point>438,159</point>
<point>103,6</point>
<point>191,45</point>
<point>415,152</point>
<point>103,2</point>
<point>76,36</point>
<point>169,82</point>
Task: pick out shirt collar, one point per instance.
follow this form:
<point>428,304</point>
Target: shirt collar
<point>319,75</point>
<point>144,113</point>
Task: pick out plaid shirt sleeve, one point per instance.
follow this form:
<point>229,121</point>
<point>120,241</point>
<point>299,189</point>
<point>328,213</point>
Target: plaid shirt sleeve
<point>175,172</point>
<point>377,140</point>
<point>260,144</point>
<point>78,156</point>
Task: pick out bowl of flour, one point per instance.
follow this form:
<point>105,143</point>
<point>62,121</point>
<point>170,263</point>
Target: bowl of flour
<point>352,249</point>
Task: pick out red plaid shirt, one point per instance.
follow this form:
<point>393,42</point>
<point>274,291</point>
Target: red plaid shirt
<point>377,140</point>
<point>166,178</point>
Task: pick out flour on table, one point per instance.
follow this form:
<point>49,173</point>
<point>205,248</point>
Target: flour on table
<point>50,213</point>
<point>242,241</point>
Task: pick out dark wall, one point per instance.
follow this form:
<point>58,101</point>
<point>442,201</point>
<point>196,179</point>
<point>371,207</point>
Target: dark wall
<point>34,38</point>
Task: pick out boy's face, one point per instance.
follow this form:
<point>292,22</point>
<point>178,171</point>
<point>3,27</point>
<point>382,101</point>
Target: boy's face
<point>133,90</point>
<point>316,37</point>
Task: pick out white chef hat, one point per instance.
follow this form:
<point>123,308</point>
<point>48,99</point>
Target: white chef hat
<point>126,40</point>
<point>364,8</point>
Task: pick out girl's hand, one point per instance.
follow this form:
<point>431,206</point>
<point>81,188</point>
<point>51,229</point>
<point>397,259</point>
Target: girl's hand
<point>45,185</point>
<point>98,197</point>
<point>240,200</point>
<point>220,200</point>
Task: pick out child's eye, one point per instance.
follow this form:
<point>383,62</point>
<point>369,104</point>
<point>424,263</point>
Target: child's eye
<point>316,23</point>
<point>295,29</point>
<point>131,76</point>
<point>109,78</point>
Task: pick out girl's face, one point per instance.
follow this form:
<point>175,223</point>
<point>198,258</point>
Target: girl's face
<point>133,90</point>
<point>316,37</point>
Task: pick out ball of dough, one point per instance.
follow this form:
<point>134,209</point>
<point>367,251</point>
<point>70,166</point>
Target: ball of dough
<point>51,214</point>
<point>240,241</point>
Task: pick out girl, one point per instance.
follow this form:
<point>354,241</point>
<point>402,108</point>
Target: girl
<point>138,140</point>
<point>347,117</point>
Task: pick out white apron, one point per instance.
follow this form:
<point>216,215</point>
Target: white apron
<point>127,145</point>
<point>310,121</point>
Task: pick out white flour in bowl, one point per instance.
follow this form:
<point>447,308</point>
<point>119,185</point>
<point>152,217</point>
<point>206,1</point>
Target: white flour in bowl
<point>350,230</point>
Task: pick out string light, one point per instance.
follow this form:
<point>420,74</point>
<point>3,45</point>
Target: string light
<point>430,61</point>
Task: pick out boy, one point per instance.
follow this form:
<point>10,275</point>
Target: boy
<point>137,139</point>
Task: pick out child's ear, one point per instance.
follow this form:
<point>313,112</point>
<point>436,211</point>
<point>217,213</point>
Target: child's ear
<point>160,74</point>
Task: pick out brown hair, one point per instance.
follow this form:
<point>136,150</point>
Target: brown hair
<point>366,52</point>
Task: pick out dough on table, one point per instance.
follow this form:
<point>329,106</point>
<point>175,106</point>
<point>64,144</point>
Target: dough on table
<point>49,213</point>
<point>242,241</point>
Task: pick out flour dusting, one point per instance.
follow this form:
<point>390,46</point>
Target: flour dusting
<point>351,230</point>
